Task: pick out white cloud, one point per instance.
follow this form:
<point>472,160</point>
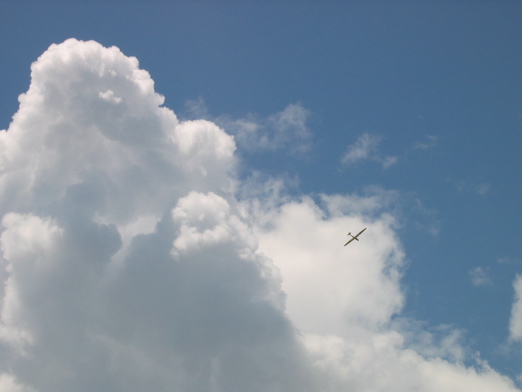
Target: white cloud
<point>384,363</point>
<point>429,143</point>
<point>127,265</point>
<point>508,260</point>
<point>109,97</point>
<point>367,148</point>
<point>8,383</point>
<point>345,300</point>
<point>466,186</point>
<point>479,277</point>
<point>515,323</point>
<point>389,161</point>
<point>327,286</point>
<point>131,263</point>
<point>482,189</point>
<point>286,130</point>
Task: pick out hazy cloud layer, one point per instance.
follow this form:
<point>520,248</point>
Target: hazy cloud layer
<point>130,262</point>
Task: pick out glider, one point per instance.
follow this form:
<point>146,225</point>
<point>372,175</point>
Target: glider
<point>354,237</point>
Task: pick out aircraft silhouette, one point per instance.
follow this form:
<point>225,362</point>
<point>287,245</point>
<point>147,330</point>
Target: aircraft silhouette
<point>354,237</point>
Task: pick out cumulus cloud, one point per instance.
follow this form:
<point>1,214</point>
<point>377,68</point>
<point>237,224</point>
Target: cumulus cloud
<point>133,258</point>
<point>360,284</point>
<point>127,265</point>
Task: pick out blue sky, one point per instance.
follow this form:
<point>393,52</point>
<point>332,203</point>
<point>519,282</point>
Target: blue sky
<point>419,101</point>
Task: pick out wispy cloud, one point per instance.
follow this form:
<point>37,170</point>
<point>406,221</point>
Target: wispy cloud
<point>430,142</point>
<point>480,277</point>
<point>366,147</point>
<point>471,186</point>
<point>508,260</point>
<point>426,218</point>
<point>515,322</point>
<point>483,189</point>
<point>286,130</point>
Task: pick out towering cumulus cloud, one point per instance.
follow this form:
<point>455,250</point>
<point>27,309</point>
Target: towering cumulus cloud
<point>129,263</point>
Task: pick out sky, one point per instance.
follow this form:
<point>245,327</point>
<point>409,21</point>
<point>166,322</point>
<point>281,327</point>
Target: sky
<point>177,181</point>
